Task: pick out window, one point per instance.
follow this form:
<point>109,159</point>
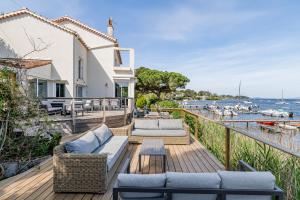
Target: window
<point>79,91</point>
<point>38,88</point>
<point>121,90</point>
<point>60,90</point>
<point>80,69</point>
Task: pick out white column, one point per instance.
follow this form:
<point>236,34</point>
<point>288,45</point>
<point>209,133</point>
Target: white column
<point>37,87</point>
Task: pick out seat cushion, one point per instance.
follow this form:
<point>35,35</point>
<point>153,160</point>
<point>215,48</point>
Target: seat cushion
<point>141,180</point>
<point>83,145</point>
<point>114,147</point>
<point>170,124</point>
<point>146,124</point>
<point>46,103</point>
<point>247,180</point>
<point>103,133</point>
<point>193,180</point>
<point>158,133</point>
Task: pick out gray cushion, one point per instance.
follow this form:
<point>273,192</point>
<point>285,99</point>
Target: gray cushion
<point>170,124</point>
<point>85,144</point>
<point>146,124</point>
<point>141,180</point>
<point>193,180</point>
<point>159,133</point>
<point>114,147</point>
<point>103,133</point>
<point>247,180</point>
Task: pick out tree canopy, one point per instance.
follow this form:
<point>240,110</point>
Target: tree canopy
<point>158,82</point>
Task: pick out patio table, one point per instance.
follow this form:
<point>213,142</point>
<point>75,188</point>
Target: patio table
<point>153,147</point>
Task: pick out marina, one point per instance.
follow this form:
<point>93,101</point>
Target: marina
<point>268,120</point>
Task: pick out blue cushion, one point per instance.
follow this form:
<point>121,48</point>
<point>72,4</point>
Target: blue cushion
<point>114,147</point>
<point>103,133</point>
<point>193,180</point>
<point>247,180</point>
<point>146,124</point>
<point>170,124</point>
<point>143,181</point>
<point>85,144</point>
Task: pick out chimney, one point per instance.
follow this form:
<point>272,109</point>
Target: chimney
<point>110,28</point>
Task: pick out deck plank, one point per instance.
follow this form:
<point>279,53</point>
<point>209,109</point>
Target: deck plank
<point>38,183</point>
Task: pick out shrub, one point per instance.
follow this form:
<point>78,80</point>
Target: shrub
<point>176,115</point>
<point>168,104</point>
<point>141,102</point>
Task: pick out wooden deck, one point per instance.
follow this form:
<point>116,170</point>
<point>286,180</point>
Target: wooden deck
<point>37,183</point>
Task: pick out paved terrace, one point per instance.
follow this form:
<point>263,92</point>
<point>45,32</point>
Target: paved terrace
<point>37,183</point>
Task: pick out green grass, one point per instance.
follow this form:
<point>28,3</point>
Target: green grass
<point>262,157</point>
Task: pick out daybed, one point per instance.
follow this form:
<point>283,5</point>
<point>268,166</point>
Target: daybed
<point>88,163</point>
<point>172,131</point>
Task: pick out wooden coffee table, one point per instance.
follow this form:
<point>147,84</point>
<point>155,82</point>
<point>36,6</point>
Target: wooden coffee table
<point>153,147</point>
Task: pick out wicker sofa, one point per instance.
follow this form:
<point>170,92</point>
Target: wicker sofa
<point>88,169</point>
<point>172,131</point>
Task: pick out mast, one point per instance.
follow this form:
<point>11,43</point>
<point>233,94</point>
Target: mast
<point>240,91</point>
<point>282,95</point>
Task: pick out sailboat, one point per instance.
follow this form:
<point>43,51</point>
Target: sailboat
<point>282,102</point>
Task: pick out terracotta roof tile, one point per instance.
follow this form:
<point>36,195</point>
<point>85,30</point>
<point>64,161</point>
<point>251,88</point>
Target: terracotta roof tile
<point>24,63</point>
<point>82,25</point>
<point>44,19</point>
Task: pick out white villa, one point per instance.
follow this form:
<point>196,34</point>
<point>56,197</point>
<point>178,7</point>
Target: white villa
<point>70,59</point>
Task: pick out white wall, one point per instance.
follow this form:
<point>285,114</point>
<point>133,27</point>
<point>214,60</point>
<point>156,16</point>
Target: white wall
<point>100,73</point>
<point>80,52</point>
<point>59,50</point>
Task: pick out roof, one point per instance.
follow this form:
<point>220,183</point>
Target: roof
<point>82,25</point>
<point>24,63</point>
<point>44,19</point>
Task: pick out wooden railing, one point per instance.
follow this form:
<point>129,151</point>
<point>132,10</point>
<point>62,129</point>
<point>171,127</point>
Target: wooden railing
<point>228,131</point>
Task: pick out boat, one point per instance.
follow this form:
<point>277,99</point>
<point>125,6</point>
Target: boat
<point>247,102</point>
<point>297,102</point>
<point>287,127</point>
<point>276,113</point>
<point>282,102</point>
<point>267,123</point>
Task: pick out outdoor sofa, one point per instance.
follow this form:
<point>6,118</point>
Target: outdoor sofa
<point>172,131</point>
<point>229,185</point>
<point>88,163</point>
<point>49,108</point>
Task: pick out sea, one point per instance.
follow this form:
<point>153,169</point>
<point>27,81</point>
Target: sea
<point>287,140</point>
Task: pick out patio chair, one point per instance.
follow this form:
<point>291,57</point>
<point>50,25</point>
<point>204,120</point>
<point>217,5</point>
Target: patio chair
<point>115,104</point>
<point>88,105</point>
<point>96,104</point>
<point>105,104</point>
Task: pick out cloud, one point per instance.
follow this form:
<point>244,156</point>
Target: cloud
<point>187,21</point>
<point>264,68</point>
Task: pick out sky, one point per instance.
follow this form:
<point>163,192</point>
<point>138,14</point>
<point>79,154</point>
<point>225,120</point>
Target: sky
<point>215,43</point>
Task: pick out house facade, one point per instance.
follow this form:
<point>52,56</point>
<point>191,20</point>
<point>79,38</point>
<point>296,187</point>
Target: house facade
<point>84,62</point>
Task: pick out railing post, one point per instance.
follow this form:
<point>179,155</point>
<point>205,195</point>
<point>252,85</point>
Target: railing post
<point>125,112</point>
<point>227,148</point>
<point>104,107</point>
<point>196,127</point>
<point>73,115</point>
